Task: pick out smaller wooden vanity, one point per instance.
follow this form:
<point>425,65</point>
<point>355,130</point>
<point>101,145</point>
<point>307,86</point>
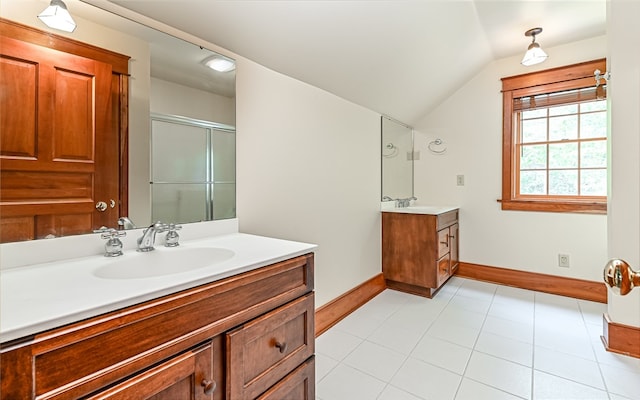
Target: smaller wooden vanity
<point>419,248</point>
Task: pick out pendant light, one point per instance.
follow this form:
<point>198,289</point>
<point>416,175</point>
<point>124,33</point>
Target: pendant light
<point>534,54</point>
<point>57,16</point>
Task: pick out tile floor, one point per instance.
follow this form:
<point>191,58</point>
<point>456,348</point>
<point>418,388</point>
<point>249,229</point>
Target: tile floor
<point>473,341</point>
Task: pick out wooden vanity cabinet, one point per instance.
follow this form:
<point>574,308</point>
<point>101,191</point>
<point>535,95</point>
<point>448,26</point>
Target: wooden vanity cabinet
<point>243,337</point>
<point>419,251</point>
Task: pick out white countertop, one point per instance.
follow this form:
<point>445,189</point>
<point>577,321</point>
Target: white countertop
<point>429,210</point>
<point>39,297</point>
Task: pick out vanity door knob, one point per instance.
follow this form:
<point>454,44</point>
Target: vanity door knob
<point>282,346</point>
<point>209,386</point>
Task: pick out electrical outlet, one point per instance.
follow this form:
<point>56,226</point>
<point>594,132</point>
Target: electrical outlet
<point>460,180</point>
<point>563,260</point>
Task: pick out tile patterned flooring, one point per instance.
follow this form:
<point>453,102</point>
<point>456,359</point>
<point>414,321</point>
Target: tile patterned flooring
<point>473,341</point>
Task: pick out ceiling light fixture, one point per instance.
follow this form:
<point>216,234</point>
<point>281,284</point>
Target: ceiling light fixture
<point>220,63</point>
<point>57,16</point>
<point>534,54</point>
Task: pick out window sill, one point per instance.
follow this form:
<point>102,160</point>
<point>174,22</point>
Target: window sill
<point>555,206</point>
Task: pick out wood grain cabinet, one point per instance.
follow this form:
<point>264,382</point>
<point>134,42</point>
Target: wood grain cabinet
<point>186,376</point>
<point>266,349</point>
<point>419,251</point>
<point>244,337</point>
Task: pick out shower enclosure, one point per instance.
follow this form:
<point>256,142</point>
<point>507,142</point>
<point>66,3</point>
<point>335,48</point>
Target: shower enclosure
<point>192,169</point>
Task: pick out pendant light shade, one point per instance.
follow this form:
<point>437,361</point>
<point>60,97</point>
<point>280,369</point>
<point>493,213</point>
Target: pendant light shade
<point>57,16</point>
<point>534,54</point>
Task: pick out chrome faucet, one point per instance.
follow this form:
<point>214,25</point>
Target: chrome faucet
<point>400,203</point>
<point>148,238</point>
<point>126,223</point>
<point>403,203</point>
<point>113,247</point>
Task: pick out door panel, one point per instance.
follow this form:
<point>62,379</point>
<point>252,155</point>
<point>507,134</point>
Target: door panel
<point>73,129</point>
<point>18,123</point>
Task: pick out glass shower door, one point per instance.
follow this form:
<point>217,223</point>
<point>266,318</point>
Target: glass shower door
<point>179,173</point>
<point>192,170</point>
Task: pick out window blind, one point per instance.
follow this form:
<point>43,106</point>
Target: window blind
<point>534,102</point>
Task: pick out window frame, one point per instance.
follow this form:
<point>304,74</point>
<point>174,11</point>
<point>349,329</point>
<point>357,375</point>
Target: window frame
<point>575,76</point>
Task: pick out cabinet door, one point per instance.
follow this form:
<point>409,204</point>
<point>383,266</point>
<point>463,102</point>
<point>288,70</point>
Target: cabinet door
<point>453,247</point>
<point>298,385</point>
<point>443,242</point>
<point>444,271</point>
<point>188,376</point>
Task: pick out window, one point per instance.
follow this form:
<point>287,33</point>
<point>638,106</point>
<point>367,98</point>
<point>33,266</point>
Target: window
<point>555,140</point>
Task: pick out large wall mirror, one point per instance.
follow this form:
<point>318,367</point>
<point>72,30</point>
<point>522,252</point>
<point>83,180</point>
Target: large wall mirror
<point>181,116</point>
<point>397,159</point>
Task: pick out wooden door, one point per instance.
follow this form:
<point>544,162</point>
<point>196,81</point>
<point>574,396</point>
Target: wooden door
<point>188,376</point>
<point>59,142</point>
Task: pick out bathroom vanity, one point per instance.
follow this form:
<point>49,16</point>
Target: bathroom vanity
<point>419,248</point>
<point>241,329</point>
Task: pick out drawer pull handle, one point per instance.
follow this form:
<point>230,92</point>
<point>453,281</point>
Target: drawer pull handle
<point>282,346</point>
<point>445,243</point>
<point>209,386</point>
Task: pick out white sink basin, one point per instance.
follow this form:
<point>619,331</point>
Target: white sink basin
<point>162,261</point>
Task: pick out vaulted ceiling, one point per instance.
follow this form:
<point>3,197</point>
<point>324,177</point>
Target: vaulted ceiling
<point>397,57</point>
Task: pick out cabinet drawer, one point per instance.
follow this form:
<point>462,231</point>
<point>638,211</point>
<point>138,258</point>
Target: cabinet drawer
<point>443,242</point>
<point>298,385</point>
<point>443,272</point>
<point>447,219</point>
<point>263,351</point>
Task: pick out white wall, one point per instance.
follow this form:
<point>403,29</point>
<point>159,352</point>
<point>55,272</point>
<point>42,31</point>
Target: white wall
<point>308,169</point>
<point>174,99</point>
<point>470,123</point>
<point>624,202</point>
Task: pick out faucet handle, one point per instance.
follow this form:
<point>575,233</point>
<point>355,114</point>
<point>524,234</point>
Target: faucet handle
<point>172,236</point>
<point>113,247</point>
<point>111,233</point>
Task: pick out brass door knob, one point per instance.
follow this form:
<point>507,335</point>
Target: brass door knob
<point>619,275</point>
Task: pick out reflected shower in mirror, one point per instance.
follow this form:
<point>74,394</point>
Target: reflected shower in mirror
<point>193,169</point>
<point>397,159</point>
